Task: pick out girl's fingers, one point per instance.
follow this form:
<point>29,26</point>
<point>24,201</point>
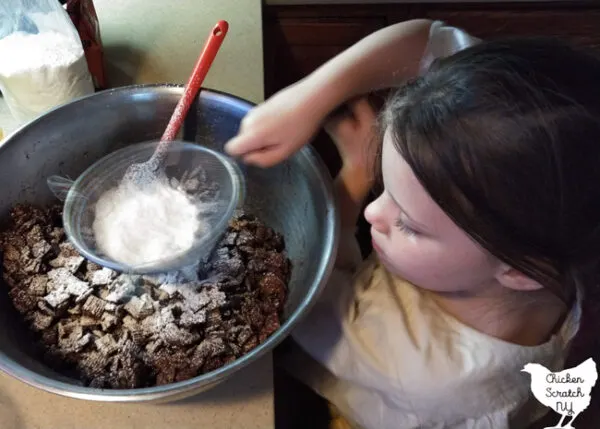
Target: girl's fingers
<point>363,111</point>
<point>358,112</point>
<point>267,157</point>
<point>243,144</point>
<point>330,127</point>
<point>342,129</point>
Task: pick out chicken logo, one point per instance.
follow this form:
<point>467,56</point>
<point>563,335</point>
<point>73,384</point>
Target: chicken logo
<point>566,392</point>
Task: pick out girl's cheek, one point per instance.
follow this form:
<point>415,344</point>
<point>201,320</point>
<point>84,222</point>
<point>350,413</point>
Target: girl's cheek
<point>413,263</point>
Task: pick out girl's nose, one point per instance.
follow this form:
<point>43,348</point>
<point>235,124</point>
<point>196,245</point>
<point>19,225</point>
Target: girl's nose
<point>374,214</point>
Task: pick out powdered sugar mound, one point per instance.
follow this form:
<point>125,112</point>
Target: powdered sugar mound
<point>142,225</point>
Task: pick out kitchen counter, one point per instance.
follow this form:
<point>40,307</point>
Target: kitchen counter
<point>244,401</point>
<point>153,41</point>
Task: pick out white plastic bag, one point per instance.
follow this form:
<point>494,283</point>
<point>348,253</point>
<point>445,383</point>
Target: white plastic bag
<point>42,61</point>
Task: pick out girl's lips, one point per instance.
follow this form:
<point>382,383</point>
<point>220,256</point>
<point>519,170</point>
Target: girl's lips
<point>380,255</point>
<point>376,247</point>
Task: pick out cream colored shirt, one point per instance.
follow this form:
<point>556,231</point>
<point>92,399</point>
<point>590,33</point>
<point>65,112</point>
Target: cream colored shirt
<point>387,357</point>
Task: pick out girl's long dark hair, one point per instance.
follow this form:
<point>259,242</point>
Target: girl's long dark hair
<point>505,137</point>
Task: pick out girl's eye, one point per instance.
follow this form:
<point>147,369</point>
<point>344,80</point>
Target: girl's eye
<point>405,228</point>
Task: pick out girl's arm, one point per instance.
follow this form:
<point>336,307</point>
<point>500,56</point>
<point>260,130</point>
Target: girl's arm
<point>283,124</point>
<point>381,60</point>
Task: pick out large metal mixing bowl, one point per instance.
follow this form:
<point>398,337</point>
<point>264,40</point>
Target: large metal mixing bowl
<point>294,197</point>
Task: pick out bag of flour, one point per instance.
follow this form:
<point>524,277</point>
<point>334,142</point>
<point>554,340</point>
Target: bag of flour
<point>42,61</point>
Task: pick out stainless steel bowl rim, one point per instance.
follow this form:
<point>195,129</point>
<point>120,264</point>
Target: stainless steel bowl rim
<point>173,390</point>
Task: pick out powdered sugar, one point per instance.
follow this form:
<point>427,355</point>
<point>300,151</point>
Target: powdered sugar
<point>44,69</point>
<point>144,225</point>
<point>63,285</point>
<point>150,219</point>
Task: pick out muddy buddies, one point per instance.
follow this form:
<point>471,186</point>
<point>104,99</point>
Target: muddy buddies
<point>113,330</point>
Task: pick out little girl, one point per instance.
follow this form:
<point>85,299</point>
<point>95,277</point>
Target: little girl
<point>486,234</point>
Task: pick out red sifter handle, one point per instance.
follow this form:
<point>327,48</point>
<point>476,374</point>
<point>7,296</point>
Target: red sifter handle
<point>205,60</point>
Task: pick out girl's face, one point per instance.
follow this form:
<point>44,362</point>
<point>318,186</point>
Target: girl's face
<point>417,241</point>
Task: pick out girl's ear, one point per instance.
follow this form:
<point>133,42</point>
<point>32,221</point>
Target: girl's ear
<point>515,280</point>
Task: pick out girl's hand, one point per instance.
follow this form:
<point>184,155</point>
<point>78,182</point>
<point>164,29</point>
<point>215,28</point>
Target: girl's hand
<point>274,130</point>
<point>355,134</point>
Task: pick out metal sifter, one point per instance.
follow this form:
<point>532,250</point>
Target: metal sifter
<point>209,181</point>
